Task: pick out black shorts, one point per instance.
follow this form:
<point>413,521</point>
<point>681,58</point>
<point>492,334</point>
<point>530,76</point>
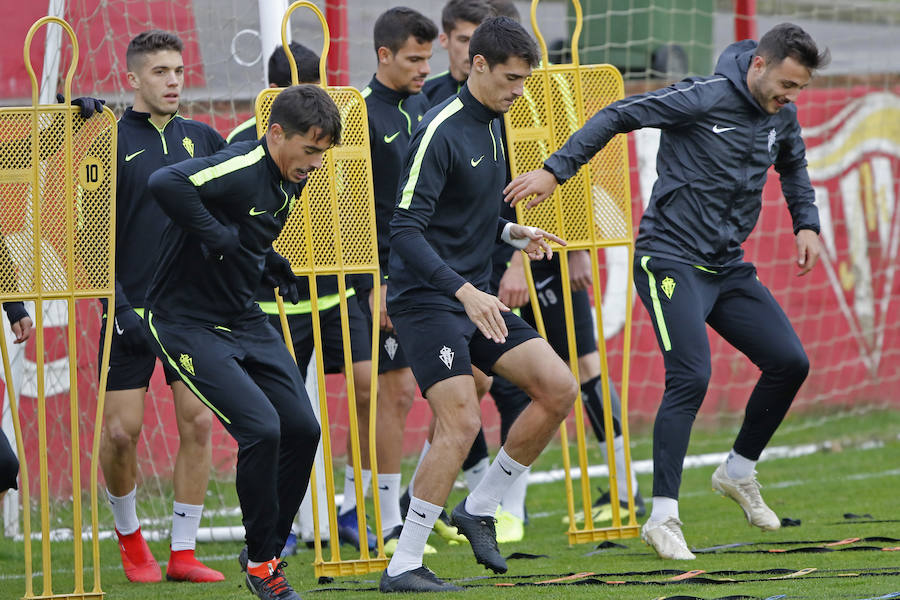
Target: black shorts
<point>548,285</point>
<point>390,353</point>
<point>129,370</point>
<point>332,339</point>
<point>441,344</point>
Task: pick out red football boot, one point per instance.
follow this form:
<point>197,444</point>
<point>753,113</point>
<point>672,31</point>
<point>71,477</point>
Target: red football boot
<point>137,560</point>
<point>183,566</point>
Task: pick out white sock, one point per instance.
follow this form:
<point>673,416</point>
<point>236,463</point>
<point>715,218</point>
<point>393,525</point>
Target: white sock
<point>503,472</point>
<point>124,511</point>
<point>411,546</point>
<point>185,523</point>
<point>389,493</point>
<point>513,500</point>
<point>474,474</point>
<point>663,508</point>
<point>621,474</point>
<point>350,489</point>
<point>738,467</point>
<point>412,479</point>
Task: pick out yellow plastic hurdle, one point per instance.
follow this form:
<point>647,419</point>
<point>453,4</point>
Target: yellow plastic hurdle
<point>590,211</point>
<point>333,233</point>
<point>57,216</point>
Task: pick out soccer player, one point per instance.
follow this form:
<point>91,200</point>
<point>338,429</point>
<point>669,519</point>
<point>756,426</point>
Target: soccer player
<point>442,235</point>
<point>459,18</point>
<point>21,326</point>
<point>402,38</point>
<point>299,316</point>
<point>720,135</point>
<point>226,211</point>
<point>151,135</point>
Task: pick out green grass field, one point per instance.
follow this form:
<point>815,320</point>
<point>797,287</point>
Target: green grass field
<point>856,470</point>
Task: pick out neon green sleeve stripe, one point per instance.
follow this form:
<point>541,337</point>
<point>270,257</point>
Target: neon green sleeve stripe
<point>251,122</point>
<point>442,116</point>
<point>705,269</point>
<point>441,74</point>
<point>366,91</point>
<point>304,307</point>
<point>657,307</point>
<point>184,378</point>
<point>231,165</point>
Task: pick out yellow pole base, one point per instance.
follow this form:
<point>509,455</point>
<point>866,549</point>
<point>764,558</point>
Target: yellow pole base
<point>350,567</point>
<point>585,536</point>
<point>72,596</point>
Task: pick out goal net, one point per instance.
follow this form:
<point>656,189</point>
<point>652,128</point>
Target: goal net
<point>845,311</point>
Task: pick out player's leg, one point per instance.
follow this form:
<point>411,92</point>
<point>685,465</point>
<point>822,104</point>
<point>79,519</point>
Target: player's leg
<point>510,401</point>
<point>678,298</point>
<point>9,467</point>
<point>751,320</point>
<point>191,479</point>
<point>123,416</point>
<point>530,363</point>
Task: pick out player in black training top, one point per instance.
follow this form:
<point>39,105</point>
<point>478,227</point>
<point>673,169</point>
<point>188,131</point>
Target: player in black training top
<point>226,211</point>
<point>442,236</point>
<point>151,135</point>
<point>403,41</point>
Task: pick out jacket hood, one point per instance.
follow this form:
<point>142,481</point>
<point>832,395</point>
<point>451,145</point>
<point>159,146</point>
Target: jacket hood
<point>734,62</point>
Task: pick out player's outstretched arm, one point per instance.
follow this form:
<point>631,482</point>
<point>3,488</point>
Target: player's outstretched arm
<point>19,321</point>
<point>484,310</point>
<point>531,240</point>
<point>808,250</point>
<point>539,183</point>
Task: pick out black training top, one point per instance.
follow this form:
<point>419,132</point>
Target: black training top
<point>448,213</point>
<point>393,116</point>
<point>440,87</point>
<point>140,222</point>
<point>239,188</point>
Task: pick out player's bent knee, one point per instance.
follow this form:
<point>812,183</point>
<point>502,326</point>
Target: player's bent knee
<point>120,438</point>
<point>201,425</point>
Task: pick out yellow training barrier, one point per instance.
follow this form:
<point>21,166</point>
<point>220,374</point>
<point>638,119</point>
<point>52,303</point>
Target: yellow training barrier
<point>332,232</point>
<point>590,211</point>
<point>57,219</point>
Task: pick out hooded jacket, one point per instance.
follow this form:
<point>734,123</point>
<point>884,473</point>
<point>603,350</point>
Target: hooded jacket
<point>715,150</point>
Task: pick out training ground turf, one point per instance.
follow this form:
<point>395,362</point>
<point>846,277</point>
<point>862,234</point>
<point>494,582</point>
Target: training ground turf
<point>856,470</point>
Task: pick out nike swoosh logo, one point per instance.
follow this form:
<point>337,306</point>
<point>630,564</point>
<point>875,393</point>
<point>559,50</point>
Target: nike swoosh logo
<point>502,468</point>
<point>130,156</point>
<point>390,138</point>
<point>384,487</point>
<point>418,513</point>
<point>542,284</point>
<point>119,330</point>
<point>254,212</point>
<point>717,129</point>
<point>475,162</point>
<point>180,514</point>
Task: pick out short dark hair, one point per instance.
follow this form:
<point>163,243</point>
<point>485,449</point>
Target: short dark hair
<point>301,107</point>
<point>499,38</point>
<point>394,26</point>
<point>148,42</point>
<point>788,39</point>
<point>505,8</point>
<point>280,68</point>
<point>470,11</point>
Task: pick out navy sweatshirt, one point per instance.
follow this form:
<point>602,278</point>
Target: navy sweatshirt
<point>716,147</point>
<point>140,222</point>
<point>440,87</point>
<point>393,116</point>
<point>239,188</point>
<point>447,218</point>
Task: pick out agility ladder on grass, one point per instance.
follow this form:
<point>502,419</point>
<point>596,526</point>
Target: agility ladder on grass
<point>57,219</point>
<point>590,211</point>
<point>332,232</point>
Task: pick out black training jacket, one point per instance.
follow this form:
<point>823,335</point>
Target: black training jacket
<point>440,87</point>
<point>448,206</point>
<point>715,150</point>
<point>140,222</point>
<point>207,198</point>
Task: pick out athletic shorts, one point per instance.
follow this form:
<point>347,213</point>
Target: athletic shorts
<point>441,344</point>
<point>332,339</point>
<point>548,285</point>
<point>129,370</point>
<point>390,354</point>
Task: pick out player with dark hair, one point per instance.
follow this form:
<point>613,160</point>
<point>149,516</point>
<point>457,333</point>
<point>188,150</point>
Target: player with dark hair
<point>720,135</point>
<point>402,38</point>
<point>151,135</point>
<point>442,233</point>
<point>226,211</point>
<point>459,18</point>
